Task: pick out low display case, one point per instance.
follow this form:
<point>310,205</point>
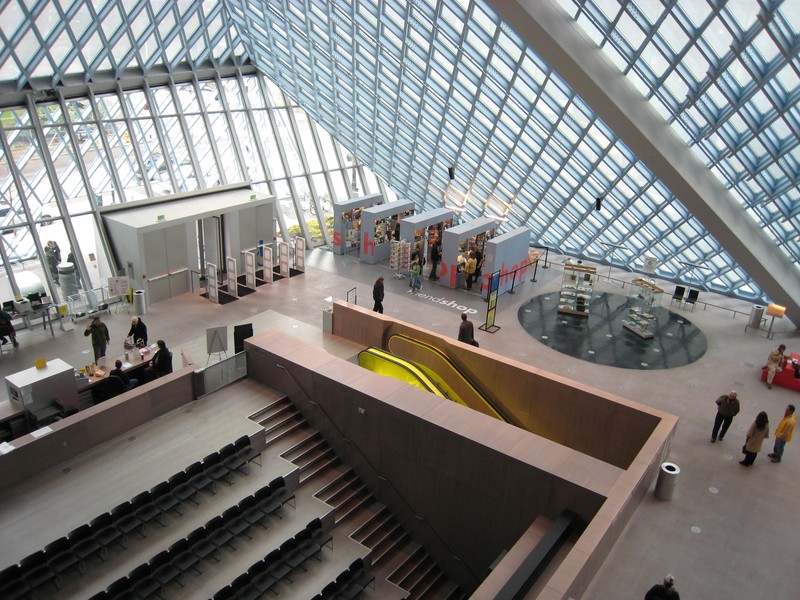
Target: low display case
<point>643,296</point>
<point>577,289</point>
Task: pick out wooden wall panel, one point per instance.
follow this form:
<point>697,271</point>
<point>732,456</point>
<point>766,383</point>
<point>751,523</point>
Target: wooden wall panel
<point>476,482</point>
<point>95,425</point>
<point>568,412</point>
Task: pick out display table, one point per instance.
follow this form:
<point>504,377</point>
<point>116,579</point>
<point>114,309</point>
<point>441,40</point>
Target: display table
<point>786,377</point>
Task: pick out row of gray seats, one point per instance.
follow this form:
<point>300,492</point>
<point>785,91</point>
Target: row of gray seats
<point>45,567</point>
<point>187,554</point>
<point>279,564</point>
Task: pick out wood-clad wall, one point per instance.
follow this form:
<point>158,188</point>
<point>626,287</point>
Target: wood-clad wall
<point>464,484</point>
<point>95,425</point>
<point>571,413</point>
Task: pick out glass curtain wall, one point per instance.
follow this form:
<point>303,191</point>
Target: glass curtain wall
<point>62,160</point>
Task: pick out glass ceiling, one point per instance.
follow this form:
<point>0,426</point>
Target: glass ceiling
<point>413,88</point>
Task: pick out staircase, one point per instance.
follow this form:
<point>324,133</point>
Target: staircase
<point>395,556</point>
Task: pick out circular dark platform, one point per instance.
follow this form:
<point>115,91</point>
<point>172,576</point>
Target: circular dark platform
<point>601,338</point>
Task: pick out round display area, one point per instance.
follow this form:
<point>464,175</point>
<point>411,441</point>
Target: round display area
<point>601,338</point>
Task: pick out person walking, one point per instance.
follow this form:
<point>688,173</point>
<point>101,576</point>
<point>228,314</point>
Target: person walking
<point>727,408</point>
<point>377,295</point>
<point>138,332</point>
<point>756,435</point>
<point>783,434</point>
<point>416,272</point>
<point>469,269</point>
<point>775,363</point>
<point>436,256</point>
<point>100,338</point>
<point>663,591</point>
<point>7,329</point>
<point>466,331</point>
<point>53,258</point>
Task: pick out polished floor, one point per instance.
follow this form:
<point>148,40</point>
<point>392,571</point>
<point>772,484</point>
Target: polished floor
<point>728,532</point>
<point>602,339</point>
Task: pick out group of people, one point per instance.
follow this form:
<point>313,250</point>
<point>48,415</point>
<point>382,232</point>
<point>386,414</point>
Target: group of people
<point>159,365</point>
<point>53,255</point>
<point>728,407</point>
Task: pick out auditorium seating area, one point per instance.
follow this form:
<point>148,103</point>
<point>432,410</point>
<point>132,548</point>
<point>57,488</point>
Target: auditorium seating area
<point>219,527</point>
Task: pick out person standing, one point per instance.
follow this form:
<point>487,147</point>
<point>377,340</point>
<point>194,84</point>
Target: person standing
<point>466,331</point>
<point>138,332</point>
<point>783,434</point>
<point>100,338</point>
<point>436,256</point>
<point>469,269</point>
<point>377,295</point>
<point>663,591</point>
<point>416,272</point>
<point>52,260</point>
<point>775,363</point>
<point>727,408</point>
<point>756,435</point>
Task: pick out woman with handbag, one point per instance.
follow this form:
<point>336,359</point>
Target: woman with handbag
<point>758,431</point>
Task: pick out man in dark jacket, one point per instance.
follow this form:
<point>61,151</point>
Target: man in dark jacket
<point>663,591</point>
<point>138,332</point>
<point>160,365</point>
<point>100,338</point>
<point>727,408</point>
<point>466,331</point>
<point>377,295</point>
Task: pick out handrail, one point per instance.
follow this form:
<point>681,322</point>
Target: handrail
<point>332,423</point>
<point>735,312</point>
<point>408,366</point>
<point>500,414</point>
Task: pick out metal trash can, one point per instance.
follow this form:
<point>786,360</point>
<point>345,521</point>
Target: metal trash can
<point>756,314</point>
<point>667,480</point>
<point>139,304</point>
<point>68,276</point>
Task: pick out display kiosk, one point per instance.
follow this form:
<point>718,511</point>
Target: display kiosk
<point>577,288</point>
<point>641,300</point>
<point>456,242</point>
<point>423,230</point>
<point>379,226</point>
<point>508,255</point>
<point>347,222</point>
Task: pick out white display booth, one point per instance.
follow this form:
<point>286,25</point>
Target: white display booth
<point>158,243</point>
<point>347,222</point>
<point>415,229</point>
<point>508,254</point>
<point>379,226</point>
<point>456,242</point>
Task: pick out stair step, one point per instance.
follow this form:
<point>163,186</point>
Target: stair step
<point>394,549</point>
<point>402,576</point>
<point>320,469</point>
<point>265,412</point>
<point>446,589</point>
<point>312,456</point>
<point>286,429</point>
<point>422,577</point>
<point>370,526</point>
<point>341,482</point>
<point>274,412</point>
<point>352,506</point>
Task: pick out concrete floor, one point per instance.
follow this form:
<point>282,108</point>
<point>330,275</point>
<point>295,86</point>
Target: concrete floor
<point>727,532</point>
